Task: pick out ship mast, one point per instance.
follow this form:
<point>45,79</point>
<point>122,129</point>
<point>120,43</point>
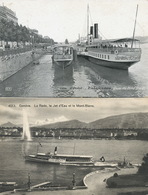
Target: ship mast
<point>134,27</point>
<point>87,23</point>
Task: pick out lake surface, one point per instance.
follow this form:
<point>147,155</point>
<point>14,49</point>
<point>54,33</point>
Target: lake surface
<point>14,168</point>
<point>81,79</point>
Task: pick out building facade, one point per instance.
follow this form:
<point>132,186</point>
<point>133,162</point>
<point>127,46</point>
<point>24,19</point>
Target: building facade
<point>8,14</point>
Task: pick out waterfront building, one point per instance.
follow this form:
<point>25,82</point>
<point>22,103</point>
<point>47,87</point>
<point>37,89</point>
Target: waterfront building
<point>130,133</point>
<point>7,14</point>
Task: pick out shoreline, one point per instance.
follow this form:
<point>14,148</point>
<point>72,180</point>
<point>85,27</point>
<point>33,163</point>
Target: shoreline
<point>2,138</point>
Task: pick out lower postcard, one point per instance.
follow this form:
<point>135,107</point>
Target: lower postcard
<point>68,146</point>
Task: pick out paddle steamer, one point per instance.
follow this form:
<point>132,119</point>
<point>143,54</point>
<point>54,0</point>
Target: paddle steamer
<point>119,53</point>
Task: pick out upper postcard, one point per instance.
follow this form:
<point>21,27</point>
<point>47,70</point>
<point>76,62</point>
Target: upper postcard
<point>73,48</point>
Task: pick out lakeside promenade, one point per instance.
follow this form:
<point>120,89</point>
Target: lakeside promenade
<point>96,185</point>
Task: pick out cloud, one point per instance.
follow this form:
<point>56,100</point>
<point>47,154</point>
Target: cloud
<point>51,120</point>
<point>7,113</point>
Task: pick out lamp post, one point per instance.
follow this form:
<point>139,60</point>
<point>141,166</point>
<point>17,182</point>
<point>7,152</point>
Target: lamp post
<point>29,182</point>
<point>73,181</point>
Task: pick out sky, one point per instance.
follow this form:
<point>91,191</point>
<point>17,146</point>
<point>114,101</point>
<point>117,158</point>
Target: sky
<point>100,108</point>
<point>61,19</point>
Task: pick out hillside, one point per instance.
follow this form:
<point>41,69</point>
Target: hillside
<point>132,120</point>
<point>143,39</point>
<point>9,125</point>
<point>66,124</point>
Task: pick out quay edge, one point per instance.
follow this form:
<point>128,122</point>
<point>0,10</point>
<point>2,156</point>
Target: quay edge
<point>11,64</point>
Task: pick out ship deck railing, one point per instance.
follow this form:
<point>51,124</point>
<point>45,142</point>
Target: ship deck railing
<point>62,56</point>
<point>114,49</point>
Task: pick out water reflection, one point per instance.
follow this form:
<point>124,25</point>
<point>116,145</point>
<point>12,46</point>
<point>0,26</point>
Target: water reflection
<point>106,82</point>
<point>63,80</point>
<point>26,146</point>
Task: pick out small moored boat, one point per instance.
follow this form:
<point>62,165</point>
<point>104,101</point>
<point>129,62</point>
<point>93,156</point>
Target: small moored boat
<point>63,55</point>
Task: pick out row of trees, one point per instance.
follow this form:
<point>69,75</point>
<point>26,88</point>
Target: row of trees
<point>18,33</point>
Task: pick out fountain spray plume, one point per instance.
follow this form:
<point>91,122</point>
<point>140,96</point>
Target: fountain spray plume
<point>26,130</point>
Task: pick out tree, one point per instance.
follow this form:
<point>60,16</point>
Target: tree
<point>18,33</point>
<point>66,41</point>
<point>143,169</point>
<point>3,30</point>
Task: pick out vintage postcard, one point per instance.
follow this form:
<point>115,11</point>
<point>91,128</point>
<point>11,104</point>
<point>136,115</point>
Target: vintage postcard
<point>74,146</point>
<point>72,48</point>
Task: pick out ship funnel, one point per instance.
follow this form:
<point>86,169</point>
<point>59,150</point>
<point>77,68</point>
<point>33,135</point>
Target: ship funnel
<point>96,30</point>
<point>91,30</point>
<point>55,150</point>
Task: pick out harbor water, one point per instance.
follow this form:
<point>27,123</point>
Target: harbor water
<point>14,168</point>
<point>81,79</point>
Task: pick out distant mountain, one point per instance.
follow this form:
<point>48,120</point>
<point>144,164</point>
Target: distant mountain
<point>66,124</point>
<point>8,124</point>
<point>143,39</point>
<point>132,120</point>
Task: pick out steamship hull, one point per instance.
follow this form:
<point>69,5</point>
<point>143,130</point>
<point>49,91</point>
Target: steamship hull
<point>60,159</point>
<point>109,64</point>
<point>112,57</point>
<point>62,64</point>
<point>33,158</point>
<point>60,162</point>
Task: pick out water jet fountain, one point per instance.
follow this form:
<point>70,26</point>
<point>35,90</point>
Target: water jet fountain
<point>26,130</point>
